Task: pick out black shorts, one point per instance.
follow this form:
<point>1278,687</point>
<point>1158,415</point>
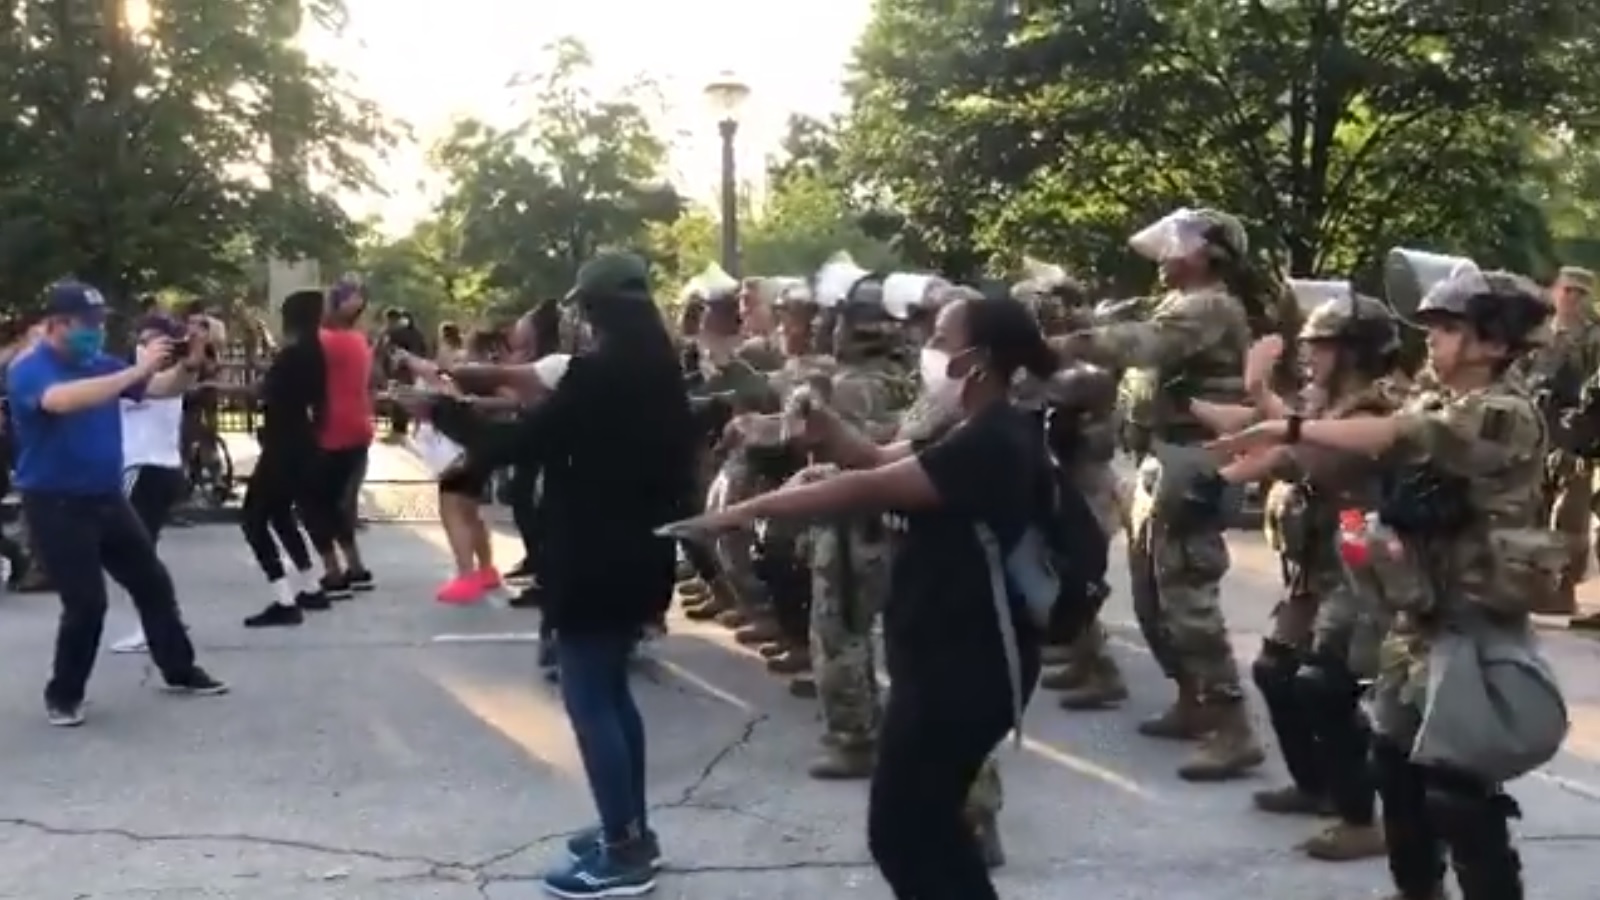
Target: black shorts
<point>467,480</point>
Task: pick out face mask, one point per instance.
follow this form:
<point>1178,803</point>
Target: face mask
<point>85,343</point>
<point>942,390</point>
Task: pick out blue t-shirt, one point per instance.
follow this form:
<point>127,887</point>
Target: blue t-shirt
<point>77,453</point>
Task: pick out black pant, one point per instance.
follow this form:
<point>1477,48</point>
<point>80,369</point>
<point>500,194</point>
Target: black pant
<point>328,506</point>
<point>80,540</point>
<point>270,498</point>
<point>929,754</point>
<point>152,492</point>
<point>524,489</point>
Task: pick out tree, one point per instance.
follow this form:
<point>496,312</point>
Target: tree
<point>536,201</point>
<point>1337,128</point>
<point>138,161</point>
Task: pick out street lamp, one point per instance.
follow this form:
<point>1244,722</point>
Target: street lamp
<point>727,95</point>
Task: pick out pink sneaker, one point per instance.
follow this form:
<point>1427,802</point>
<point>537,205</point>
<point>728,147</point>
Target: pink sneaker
<point>489,578</point>
<point>462,591</point>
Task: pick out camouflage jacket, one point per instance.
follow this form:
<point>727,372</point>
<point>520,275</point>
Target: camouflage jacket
<point>1557,371</point>
<point>868,395</point>
<point>1494,441</point>
<point>1302,512</point>
<point>1191,343</point>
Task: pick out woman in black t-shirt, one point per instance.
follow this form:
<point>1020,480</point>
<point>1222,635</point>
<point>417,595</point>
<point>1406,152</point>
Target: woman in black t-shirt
<point>952,698</point>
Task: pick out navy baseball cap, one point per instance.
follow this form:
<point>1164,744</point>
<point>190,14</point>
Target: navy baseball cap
<point>74,299</point>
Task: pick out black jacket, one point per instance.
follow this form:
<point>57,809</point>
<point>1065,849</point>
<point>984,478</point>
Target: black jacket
<point>616,443</point>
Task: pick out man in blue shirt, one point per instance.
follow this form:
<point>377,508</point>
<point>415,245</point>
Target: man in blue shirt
<point>68,429</point>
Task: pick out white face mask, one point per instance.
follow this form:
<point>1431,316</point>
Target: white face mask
<point>942,390</point>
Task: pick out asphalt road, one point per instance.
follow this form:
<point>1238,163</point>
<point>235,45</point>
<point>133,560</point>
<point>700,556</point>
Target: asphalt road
<point>395,749</point>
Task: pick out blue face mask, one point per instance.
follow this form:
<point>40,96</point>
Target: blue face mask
<point>85,342</point>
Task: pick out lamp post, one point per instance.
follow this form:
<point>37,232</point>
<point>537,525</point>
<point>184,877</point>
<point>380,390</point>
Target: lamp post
<point>727,95</point>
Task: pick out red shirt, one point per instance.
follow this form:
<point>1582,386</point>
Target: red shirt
<point>347,422</point>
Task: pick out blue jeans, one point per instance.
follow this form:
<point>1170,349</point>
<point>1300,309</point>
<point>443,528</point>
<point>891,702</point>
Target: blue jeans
<point>607,724</point>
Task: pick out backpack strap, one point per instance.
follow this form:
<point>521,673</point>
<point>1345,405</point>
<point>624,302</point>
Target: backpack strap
<point>1004,619</point>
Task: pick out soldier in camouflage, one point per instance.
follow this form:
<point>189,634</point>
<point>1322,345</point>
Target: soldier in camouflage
<point>1088,676</point>
<point>1191,345</point>
<point>1464,555</point>
<point>741,603</point>
<point>1323,641</point>
<point>1555,373</point>
<point>785,553</point>
<point>849,560</point>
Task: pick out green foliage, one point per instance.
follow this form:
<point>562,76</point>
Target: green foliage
<point>139,162</point>
<point>1336,129</point>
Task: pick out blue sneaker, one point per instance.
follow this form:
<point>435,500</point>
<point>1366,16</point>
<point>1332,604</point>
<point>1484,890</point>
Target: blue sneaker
<point>608,872</point>
<point>587,842</point>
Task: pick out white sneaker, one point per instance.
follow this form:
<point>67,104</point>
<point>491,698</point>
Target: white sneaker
<point>133,643</point>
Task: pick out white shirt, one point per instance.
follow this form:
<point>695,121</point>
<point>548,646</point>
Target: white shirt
<point>151,431</point>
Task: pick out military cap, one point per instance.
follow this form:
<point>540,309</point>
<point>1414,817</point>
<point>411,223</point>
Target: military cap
<point>1230,233</point>
<point>1577,277</point>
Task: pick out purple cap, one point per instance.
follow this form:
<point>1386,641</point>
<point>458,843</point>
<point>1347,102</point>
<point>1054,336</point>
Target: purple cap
<point>344,289</point>
<point>166,325</point>
<point>76,300</point>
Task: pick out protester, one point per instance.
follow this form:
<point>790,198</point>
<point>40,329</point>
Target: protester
<point>344,437</point>
<point>152,458</point>
<point>69,469</point>
<point>959,682</point>
<point>617,444</point>
<point>293,405</point>
<point>400,333</point>
<point>534,336</point>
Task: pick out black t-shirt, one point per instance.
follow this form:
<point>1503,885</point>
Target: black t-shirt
<point>940,626</point>
<point>293,398</point>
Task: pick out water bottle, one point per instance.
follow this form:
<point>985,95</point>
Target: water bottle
<point>1355,536</point>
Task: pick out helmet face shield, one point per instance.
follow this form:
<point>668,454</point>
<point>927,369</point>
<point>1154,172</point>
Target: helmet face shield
<point>1178,234</point>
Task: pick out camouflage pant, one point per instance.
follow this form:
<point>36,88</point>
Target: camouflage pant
<point>1571,494</point>
<point>987,795</point>
<point>841,629</point>
<point>1105,494</point>
<point>1175,580</point>
<point>735,549</point>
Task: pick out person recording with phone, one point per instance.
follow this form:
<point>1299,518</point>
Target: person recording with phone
<point>152,452</point>
<point>64,404</point>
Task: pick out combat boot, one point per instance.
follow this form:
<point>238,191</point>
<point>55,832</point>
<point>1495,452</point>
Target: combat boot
<point>773,650</point>
<point>1585,622</point>
<point>987,830</point>
<point>1184,720</point>
<point>794,662</point>
<point>1071,676</point>
<point>761,630</point>
<point>1229,750</point>
<point>1344,842</point>
<point>733,619</point>
<point>845,759</point>
<point>1103,689</point>
<point>1289,800</point>
<point>716,603</point>
<point>803,687</point>
<point>1056,655</point>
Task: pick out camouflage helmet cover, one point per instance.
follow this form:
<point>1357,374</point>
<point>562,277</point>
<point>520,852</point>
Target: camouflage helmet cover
<point>1506,304</point>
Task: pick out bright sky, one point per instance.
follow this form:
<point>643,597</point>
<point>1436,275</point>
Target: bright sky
<point>428,61</point>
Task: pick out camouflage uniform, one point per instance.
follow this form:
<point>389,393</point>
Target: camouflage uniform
<point>746,390</point>
<point>1556,372</point>
<point>1473,569</point>
<point>850,566</point>
<point>1192,342</point>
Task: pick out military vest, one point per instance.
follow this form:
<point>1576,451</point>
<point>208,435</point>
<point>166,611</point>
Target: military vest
<point>1149,399</point>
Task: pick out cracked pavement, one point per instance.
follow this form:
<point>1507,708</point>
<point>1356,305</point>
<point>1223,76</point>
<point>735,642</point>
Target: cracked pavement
<point>359,758</point>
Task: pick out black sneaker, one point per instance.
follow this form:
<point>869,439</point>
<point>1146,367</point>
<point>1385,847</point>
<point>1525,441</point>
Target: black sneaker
<point>63,715</point>
<point>519,571</point>
<point>336,587</point>
<point>315,601</point>
<point>530,597</point>
<point>276,615</point>
<point>198,683</point>
<point>360,580</point>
